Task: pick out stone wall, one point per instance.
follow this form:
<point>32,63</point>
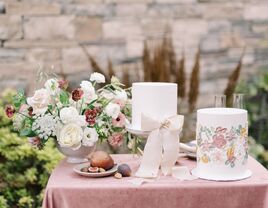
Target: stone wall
<point>51,32</point>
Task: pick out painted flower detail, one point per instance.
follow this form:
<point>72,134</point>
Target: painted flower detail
<point>219,141</point>
<point>205,146</point>
<point>230,157</point>
<point>222,144</point>
<point>10,111</point>
<point>120,121</point>
<point>90,137</point>
<point>97,77</point>
<point>77,94</point>
<point>243,133</point>
<point>205,159</point>
<point>40,101</point>
<point>116,139</point>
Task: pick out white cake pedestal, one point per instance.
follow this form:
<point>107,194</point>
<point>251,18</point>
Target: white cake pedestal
<point>145,134</point>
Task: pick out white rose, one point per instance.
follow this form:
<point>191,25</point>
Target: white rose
<point>89,91</point>
<point>68,114</point>
<point>40,101</point>
<point>52,86</point>
<point>97,77</point>
<point>108,95</point>
<point>71,115</point>
<point>71,136</point>
<point>112,110</point>
<point>90,137</point>
<point>121,95</point>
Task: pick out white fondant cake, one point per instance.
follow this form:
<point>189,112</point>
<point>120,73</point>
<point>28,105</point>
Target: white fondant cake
<point>155,99</point>
<point>222,147</point>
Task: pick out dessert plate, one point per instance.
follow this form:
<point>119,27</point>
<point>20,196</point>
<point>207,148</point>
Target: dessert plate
<point>77,169</point>
<point>245,175</point>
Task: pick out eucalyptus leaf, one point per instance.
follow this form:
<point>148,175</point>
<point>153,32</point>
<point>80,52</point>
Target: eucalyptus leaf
<point>64,97</point>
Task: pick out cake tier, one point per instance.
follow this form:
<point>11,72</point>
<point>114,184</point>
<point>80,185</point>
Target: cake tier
<point>155,99</point>
<point>222,147</point>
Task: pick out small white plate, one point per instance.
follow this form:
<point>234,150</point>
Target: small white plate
<point>78,168</point>
<point>245,175</point>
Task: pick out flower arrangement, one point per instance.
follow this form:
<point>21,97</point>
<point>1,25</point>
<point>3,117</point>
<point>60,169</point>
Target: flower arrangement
<point>81,117</point>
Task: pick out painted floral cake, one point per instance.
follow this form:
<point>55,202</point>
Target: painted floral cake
<point>222,143</point>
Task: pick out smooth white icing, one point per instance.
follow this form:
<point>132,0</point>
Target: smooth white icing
<point>155,99</point>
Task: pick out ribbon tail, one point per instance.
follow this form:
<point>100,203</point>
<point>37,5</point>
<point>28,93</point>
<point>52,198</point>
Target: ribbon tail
<point>152,156</point>
<point>170,150</point>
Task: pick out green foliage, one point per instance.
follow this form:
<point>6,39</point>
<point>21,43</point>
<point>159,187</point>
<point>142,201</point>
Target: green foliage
<point>256,101</point>
<point>24,170</point>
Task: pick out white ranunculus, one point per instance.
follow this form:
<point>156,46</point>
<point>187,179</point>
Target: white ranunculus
<point>68,115</point>
<point>112,110</point>
<point>97,77</point>
<point>121,95</point>
<point>89,91</point>
<point>90,137</point>
<point>71,115</point>
<point>71,136</point>
<point>107,94</point>
<point>52,86</point>
<point>40,101</point>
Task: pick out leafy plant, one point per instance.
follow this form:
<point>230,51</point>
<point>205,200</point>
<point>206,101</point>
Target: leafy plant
<point>24,171</point>
<point>256,101</point>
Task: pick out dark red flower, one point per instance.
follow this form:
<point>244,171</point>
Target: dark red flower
<point>91,115</point>
<point>10,111</point>
<point>30,111</point>
<point>77,94</point>
<point>63,84</point>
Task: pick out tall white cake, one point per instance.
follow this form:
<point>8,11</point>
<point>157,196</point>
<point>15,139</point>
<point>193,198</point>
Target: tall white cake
<point>155,99</point>
<point>222,148</point>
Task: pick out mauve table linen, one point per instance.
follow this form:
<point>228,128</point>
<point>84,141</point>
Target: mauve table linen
<point>66,189</point>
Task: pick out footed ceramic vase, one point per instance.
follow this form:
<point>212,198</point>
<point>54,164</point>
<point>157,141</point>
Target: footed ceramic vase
<point>76,156</point>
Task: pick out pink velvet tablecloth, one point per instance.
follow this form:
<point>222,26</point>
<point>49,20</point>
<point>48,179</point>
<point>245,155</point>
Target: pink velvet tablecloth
<point>66,189</point>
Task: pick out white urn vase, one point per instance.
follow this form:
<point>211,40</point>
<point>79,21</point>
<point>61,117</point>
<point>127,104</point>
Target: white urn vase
<point>76,156</point>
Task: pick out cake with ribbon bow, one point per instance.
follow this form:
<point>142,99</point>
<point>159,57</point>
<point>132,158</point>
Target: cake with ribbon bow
<point>154,110</point>
<point>157,100</point>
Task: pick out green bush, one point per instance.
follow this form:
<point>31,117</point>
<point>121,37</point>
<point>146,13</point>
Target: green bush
<point>24,171</point>
<point>256,101</point>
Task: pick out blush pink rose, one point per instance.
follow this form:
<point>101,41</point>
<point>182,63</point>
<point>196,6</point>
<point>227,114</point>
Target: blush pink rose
<point>120,121</point>
<point>116,139</point>
<point>219,141</point>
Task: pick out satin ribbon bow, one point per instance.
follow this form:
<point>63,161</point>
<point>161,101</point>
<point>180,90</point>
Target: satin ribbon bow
<point>161,149</point>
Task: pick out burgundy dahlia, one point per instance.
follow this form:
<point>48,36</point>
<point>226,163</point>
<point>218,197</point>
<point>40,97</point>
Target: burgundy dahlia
<point>91,115</point>
<point>77,94</point>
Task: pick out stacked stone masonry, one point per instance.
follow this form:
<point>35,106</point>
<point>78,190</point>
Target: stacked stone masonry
<point>51,33</point>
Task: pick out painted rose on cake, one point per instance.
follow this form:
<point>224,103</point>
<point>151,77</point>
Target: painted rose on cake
<point>222,144</point>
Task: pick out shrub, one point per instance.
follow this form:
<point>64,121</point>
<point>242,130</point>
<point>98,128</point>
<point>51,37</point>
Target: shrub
<point>24,171</point>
